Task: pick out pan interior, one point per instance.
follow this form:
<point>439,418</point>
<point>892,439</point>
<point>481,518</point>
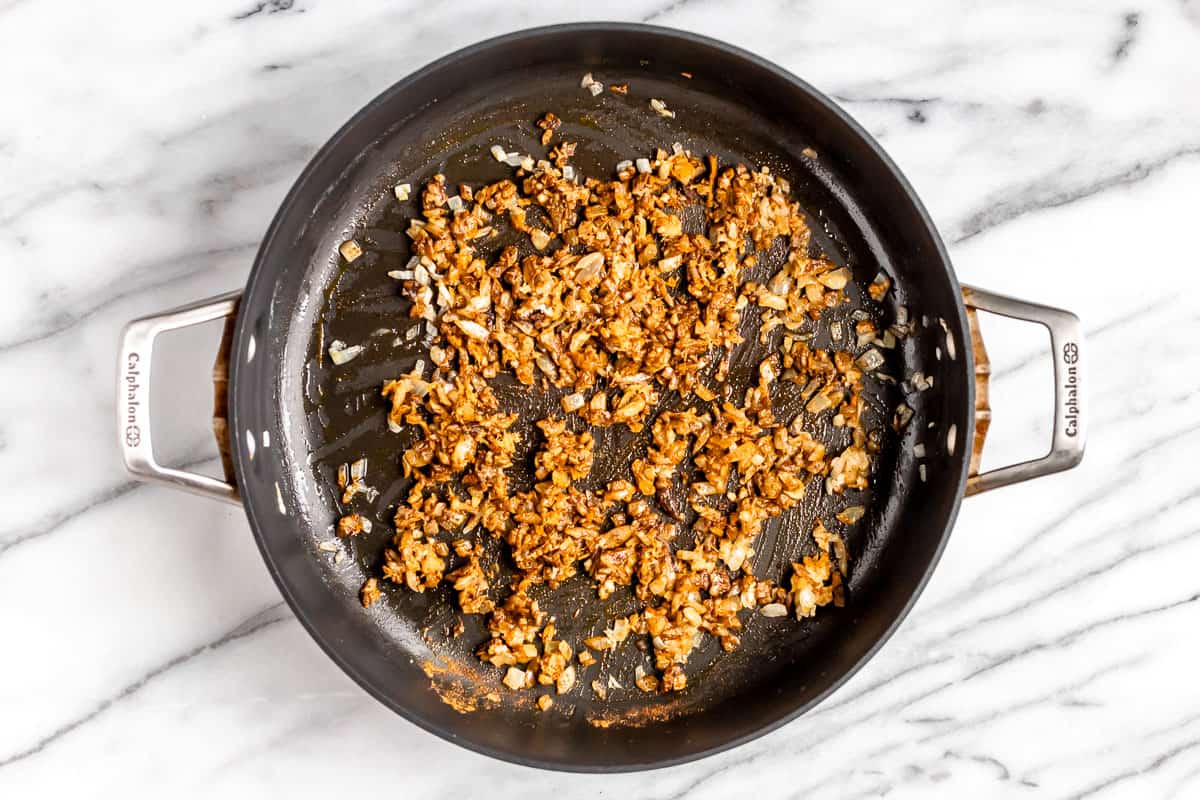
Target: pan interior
<point>445,120</point>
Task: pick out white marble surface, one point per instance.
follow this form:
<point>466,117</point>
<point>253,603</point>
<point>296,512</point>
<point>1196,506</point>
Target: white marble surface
<point>143,150</point>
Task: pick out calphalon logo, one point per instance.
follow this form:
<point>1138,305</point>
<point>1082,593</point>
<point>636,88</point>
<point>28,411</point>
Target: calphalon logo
<point>133,432</point>
<point>1070,357</point>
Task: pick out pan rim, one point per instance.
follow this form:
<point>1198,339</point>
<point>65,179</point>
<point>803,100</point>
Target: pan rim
<point>259,274</point>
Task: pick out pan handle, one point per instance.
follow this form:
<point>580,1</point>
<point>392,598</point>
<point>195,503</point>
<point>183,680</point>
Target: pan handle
<point>133,395</point>
<point>1070,419</point>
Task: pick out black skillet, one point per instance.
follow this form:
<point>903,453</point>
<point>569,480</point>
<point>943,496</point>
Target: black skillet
<point>293,417</point>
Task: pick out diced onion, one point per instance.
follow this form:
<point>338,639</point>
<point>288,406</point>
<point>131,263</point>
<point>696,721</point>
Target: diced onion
<point>350,250</point>
<point>590,266</point>
<point>780,283</point>
<point>660,108</point>
<point>837,279</point>
<point>871,360</point>
<point>773,610</point>
<point>339,353</point>
<point>472,328</point>
<point>514,678</point>
<point>818,403</point>
<point>851,514</point>
<point>546,365</point>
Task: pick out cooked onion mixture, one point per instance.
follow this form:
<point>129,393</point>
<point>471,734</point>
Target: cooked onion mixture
<point>630,314</point>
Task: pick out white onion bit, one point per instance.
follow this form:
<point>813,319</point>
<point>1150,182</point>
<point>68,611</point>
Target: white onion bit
<point>870,360</point>
<point>661,109</point>
<point>339,353</point>
<point>951,438</point>
<point>498,152</point>
<point>773,610</point>
<point>643,165</point>
<point>472,329</point>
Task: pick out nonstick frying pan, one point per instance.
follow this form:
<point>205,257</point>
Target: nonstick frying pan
<point>285,418</point>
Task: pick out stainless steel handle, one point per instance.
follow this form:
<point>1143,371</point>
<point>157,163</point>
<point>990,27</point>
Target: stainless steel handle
<point>1070,419</point>
<point>133,396</point>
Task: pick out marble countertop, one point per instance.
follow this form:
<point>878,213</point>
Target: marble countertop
<point>145,648</point>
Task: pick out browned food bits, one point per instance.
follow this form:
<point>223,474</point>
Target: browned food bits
<point>630,306</point>
<point>370,592</point>
<point>549,124</point>
<point>352,524</point>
